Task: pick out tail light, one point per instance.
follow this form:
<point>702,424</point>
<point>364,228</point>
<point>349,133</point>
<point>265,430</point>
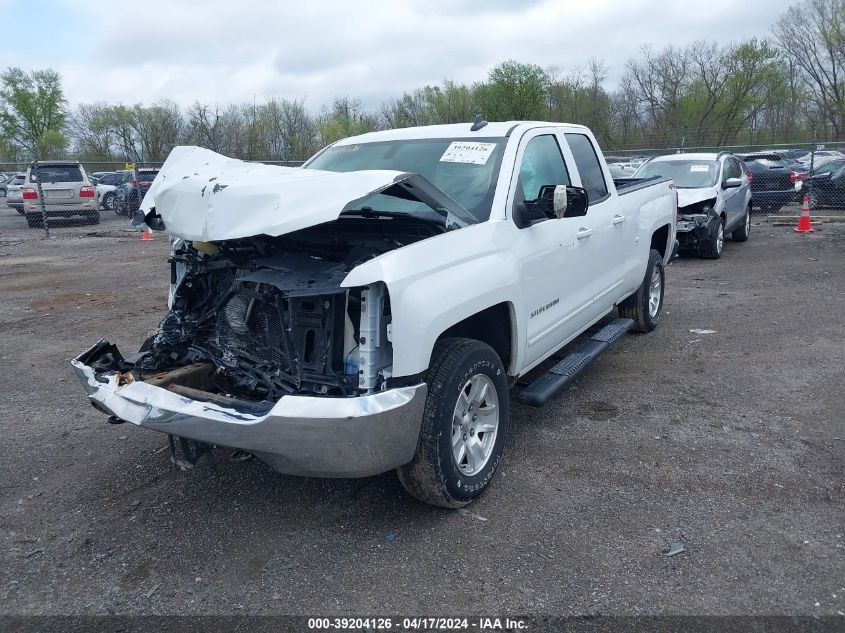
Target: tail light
<point>134,183</point>
<point>750,176</point>
<point>86,192</point>
<point>29,193</point>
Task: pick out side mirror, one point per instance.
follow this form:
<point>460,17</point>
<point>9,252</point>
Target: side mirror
<point>153,220</point>
<point>563,201</point>
<point>732,183</point>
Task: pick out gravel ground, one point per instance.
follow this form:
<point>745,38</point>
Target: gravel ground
<point>730,443</point>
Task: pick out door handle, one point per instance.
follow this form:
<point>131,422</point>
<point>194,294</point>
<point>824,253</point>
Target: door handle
<point>582,233</point>
<point>618,219</point>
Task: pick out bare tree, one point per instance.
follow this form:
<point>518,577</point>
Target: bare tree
<point>812,34</point>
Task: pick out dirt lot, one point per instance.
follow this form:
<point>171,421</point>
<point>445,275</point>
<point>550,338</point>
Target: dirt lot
<point>731,443</point>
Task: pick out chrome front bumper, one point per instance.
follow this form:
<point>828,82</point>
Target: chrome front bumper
<point>300,435</point>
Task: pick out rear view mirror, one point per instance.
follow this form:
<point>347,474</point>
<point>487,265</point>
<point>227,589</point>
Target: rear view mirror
<point>732,183</point>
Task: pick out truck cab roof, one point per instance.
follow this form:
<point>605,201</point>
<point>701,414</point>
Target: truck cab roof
<point>454,130</point>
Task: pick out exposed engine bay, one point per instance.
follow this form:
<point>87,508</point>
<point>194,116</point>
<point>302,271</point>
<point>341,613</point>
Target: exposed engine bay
<point>258,318</point>
<point>697,222</point>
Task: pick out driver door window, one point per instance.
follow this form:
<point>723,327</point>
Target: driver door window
<point>542,164</point>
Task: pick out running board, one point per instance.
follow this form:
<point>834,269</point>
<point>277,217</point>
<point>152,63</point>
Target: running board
<point>546,386</point>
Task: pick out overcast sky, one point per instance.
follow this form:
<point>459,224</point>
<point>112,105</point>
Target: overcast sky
<point>227,51</point>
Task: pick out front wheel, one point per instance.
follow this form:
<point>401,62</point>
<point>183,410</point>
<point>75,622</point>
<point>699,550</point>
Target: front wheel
<point>646,304</point>
<point>712,248</point>
<point>741,234</point>
<point>465,423</point>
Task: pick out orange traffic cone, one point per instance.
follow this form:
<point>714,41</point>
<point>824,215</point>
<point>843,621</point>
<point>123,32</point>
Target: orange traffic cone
<point>804,225</point>
<point>147,235</point>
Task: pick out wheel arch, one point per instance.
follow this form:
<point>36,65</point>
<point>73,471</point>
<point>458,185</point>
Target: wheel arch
<point>660,240</point>
<point>494,326</point>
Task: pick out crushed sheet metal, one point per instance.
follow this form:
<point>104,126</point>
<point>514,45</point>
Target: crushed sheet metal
<point>203,196</point>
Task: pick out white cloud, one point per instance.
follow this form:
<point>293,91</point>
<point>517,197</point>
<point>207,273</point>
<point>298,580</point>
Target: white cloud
<point>224,51</point>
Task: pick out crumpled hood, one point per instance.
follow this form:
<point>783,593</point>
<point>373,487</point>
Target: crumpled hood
<point>687,197</point>
<point>201,195</point>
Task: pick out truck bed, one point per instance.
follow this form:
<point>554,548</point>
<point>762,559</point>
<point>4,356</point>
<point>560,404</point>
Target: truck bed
<point>628,185</point>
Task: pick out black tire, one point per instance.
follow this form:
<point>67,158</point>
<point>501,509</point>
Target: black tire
<point>433,476</point>
<point>94,218</point>
<point>712,249</point>
<point>19,210</point>
<point>741,234</point>
<point>2,193</point>
<point>638,306</point>
<point>34,221</point>
<point>110,202</point>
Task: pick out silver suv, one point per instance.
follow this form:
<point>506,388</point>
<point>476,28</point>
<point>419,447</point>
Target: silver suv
<point>68,193</point>
<point>714,198</point>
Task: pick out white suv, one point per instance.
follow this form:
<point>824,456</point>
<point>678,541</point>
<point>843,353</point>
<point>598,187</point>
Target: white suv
<point>67,190</point>
<point>714,198</point>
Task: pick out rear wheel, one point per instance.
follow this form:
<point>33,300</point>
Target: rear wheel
<point>465,423</point>
<point>741,234</point>
<point>646,304</point>
<point>94,218</point>
<point>712,249</point>
<point>34,220</point>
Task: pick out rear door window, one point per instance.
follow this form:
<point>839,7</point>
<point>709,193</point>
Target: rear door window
<point>587,161</point>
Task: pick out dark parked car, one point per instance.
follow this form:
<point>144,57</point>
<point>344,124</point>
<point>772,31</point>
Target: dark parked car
<point>133,182</point>
<point>772,181</point>
<point>828,185</point>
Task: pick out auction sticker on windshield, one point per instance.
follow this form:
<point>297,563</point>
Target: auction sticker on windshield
<point>470,152</point>
<point>699,168</point>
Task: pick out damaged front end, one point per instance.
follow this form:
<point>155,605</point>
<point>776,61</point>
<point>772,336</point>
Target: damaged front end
<point>697,224</point>
<point>263,350</point>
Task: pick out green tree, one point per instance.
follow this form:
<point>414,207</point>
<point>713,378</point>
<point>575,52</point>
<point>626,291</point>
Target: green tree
<point>345,118</point>
<point>513,91</point>
<point>32,111</point>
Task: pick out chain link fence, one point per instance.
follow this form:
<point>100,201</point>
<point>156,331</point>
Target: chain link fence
<point>67,197</point>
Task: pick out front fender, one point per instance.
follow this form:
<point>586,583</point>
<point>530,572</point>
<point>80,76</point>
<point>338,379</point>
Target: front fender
<point>438,282</point>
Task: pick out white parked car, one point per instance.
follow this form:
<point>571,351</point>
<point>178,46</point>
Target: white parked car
<point>12,190</point>
<point>821,158</point>
<point>714,198</point>
<point>372,310</point>
<point>105,187</point>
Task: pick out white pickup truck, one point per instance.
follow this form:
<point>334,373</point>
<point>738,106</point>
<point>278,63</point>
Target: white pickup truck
<point>373,310</point>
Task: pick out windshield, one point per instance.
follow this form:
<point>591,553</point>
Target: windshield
<point>463,169</point>
<point>687,174</point>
